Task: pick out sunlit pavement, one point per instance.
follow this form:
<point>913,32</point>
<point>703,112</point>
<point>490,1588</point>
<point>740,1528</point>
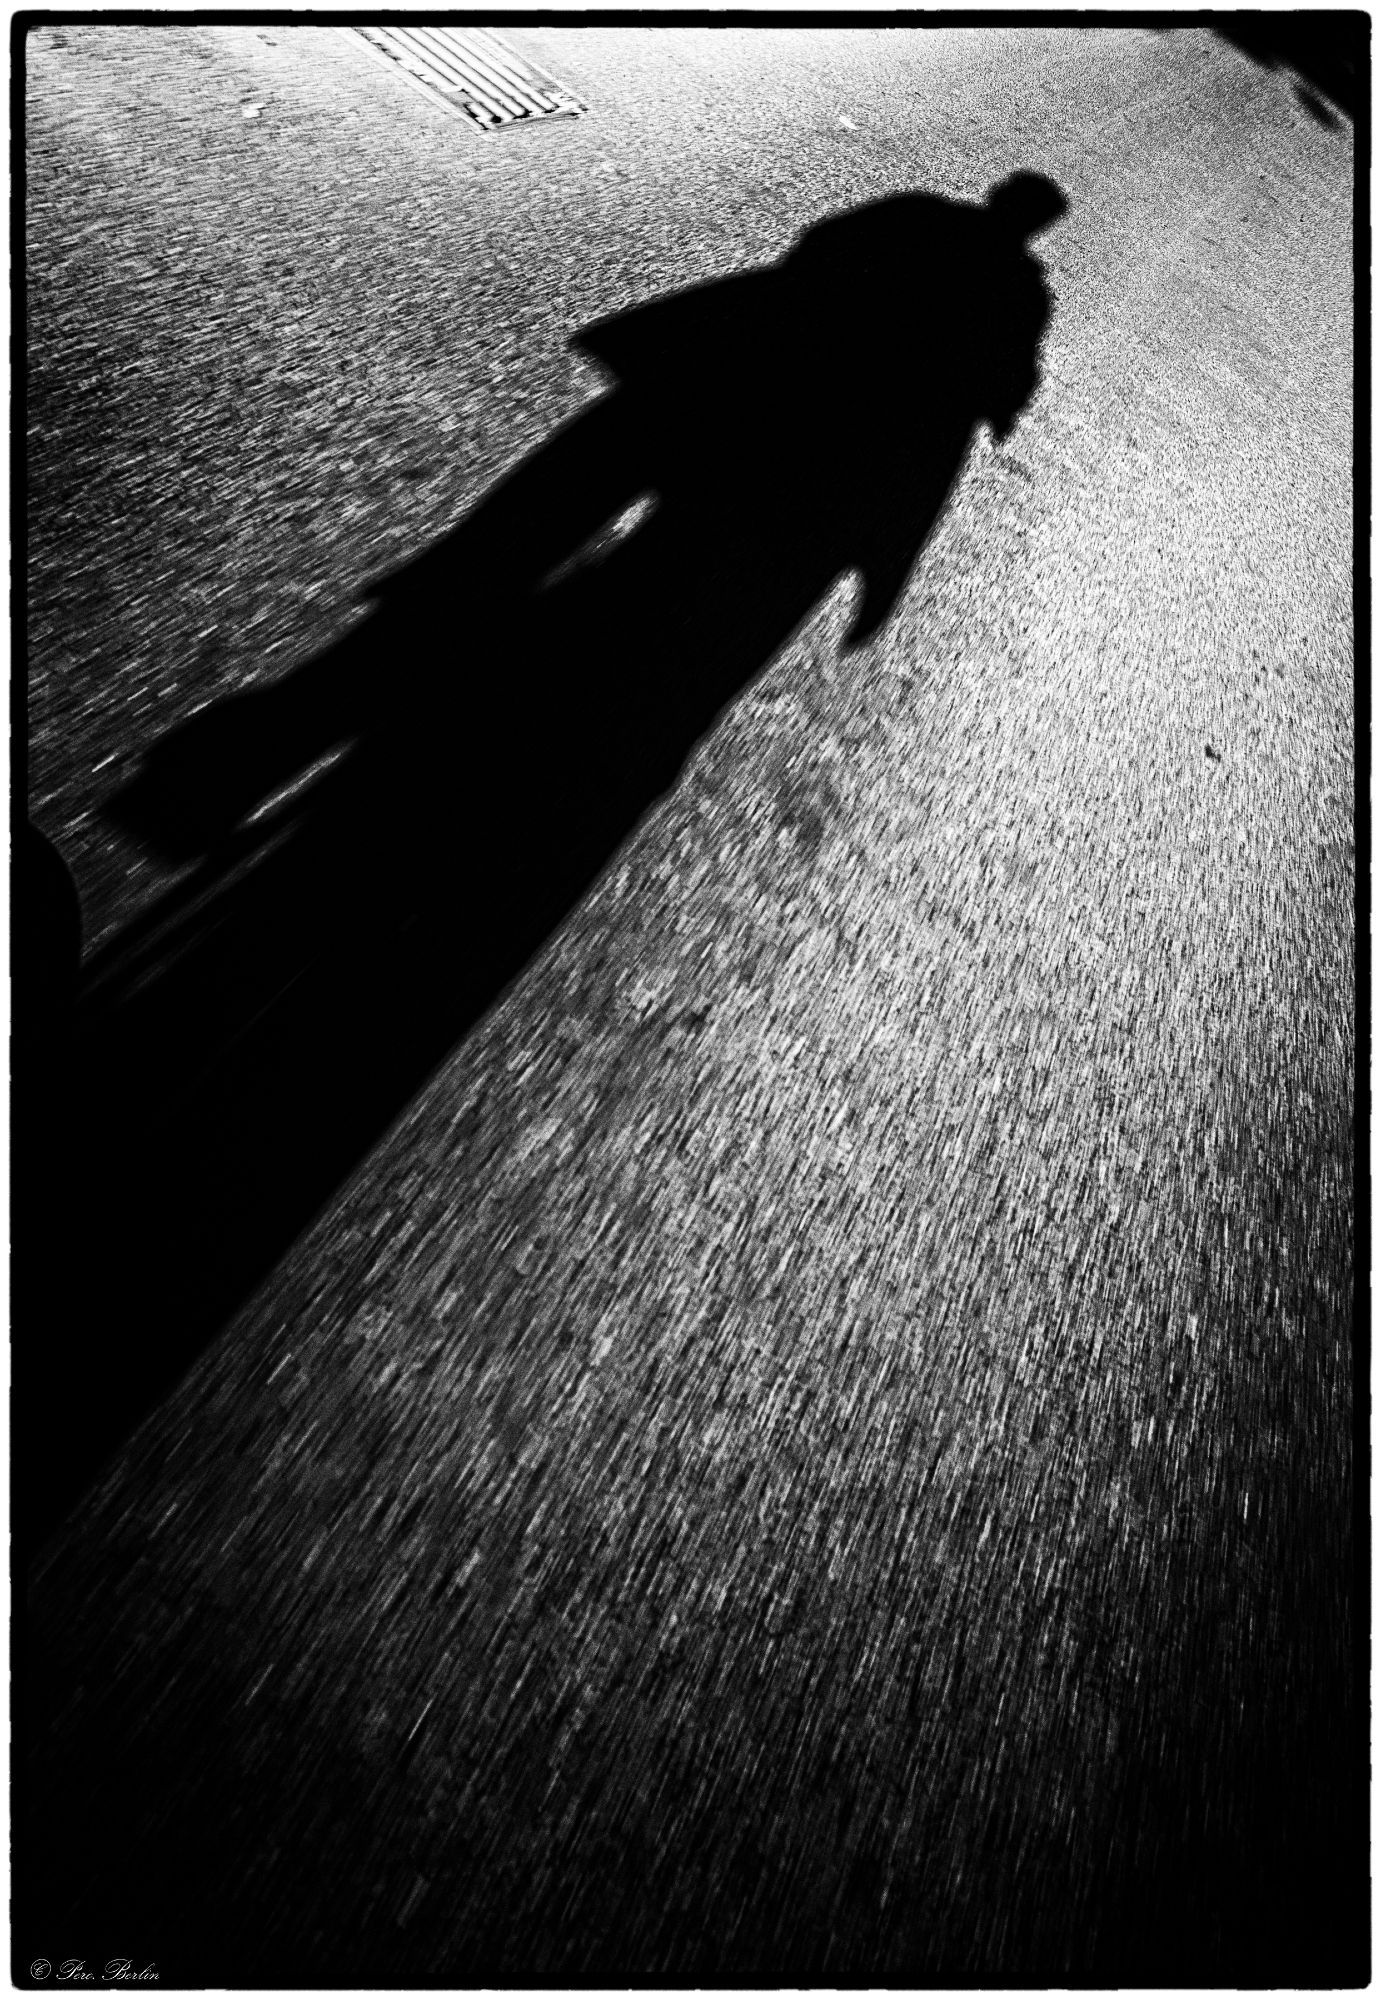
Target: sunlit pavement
<point>819,1449</point>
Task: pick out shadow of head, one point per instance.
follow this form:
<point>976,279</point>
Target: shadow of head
<point>1025,204</point>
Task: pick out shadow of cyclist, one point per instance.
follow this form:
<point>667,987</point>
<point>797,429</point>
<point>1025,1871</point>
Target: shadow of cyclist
<point>515,701</point>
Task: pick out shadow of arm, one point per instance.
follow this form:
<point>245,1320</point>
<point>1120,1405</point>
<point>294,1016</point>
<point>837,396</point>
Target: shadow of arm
<point>884,579</point>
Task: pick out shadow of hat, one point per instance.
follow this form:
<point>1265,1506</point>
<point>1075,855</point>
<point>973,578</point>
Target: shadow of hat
<point>1025,204</point>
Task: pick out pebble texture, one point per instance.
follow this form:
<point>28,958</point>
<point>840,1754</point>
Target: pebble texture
<point>820,1447</point>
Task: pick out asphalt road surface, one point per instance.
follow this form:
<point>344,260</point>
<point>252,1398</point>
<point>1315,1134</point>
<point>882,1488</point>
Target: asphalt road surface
<point>684,1269</point>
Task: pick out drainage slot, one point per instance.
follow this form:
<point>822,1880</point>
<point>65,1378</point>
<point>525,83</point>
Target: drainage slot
<point>471,72</point>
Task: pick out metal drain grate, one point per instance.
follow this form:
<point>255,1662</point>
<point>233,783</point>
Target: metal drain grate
<point>470,71</point>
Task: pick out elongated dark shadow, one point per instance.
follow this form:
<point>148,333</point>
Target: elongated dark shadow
<point>383,837</point>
